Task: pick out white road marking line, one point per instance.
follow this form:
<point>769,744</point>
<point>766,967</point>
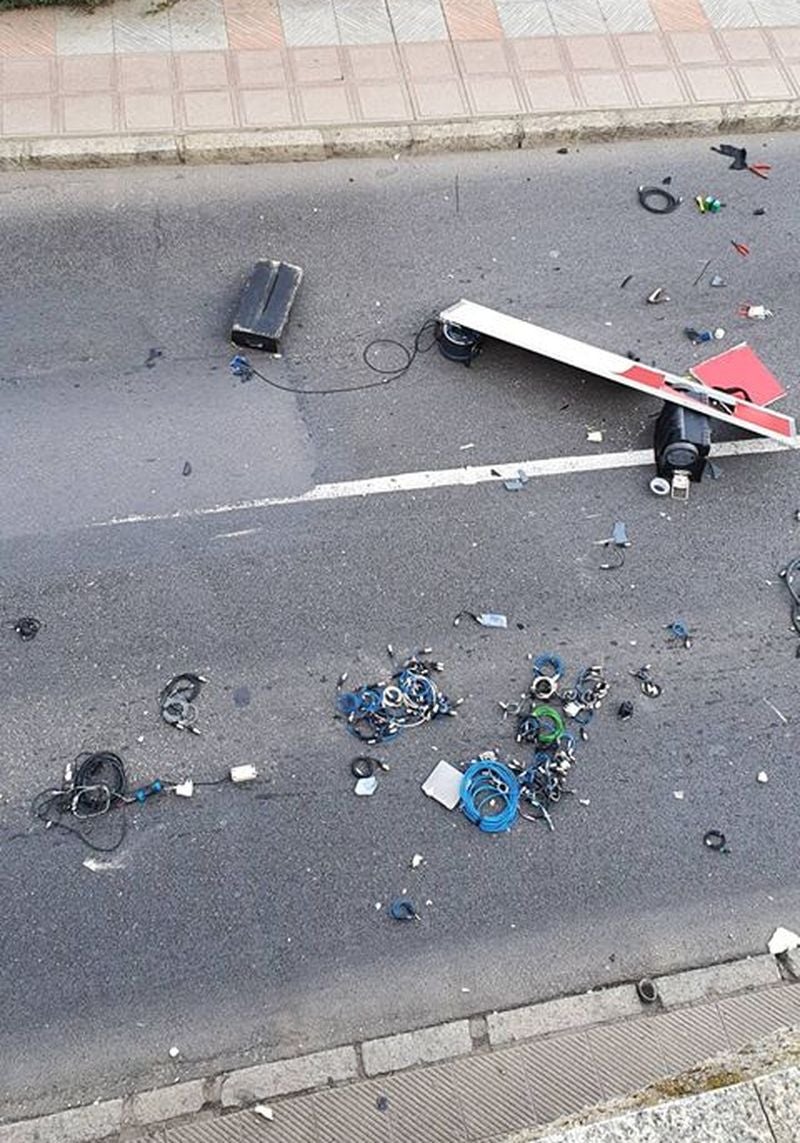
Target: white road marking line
<point>233,535</point>
<point>443,478</point>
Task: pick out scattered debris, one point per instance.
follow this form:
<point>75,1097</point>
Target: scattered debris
<point>618,542</point>
<point>185,789</point>
<point>763,777</point>
<point>647,991</point>
<point>264,1111</point>
<point>679,795</point>
<point>657,200</point>
<point>27,627</point>
<point>680,632</point>
<point>468,445</point>
<point>174,1052</point>
<point>741,248</point>
<point>382,1102</point>
<point>541,725</point>
<point>95,866</point>
<point>378,712</point>
<point>773,708</point>
<point>562,151</point>
<point>658,296</point>
<point>402,909</point>
<point>739,371</point>
<point>758,313</point>
<point>647,683</point>
<point>738,154</point>
<point>152,358</point>
<point>594,435</point>
<point>187,468</point>
<point>177,701</point>
<point>759,211</point>
<point>240,367</point>
<point>443,784</point>
<point>366,787</point>
<point>625,281</point>
<point>708,204</point>
<point>697,337</point>
<point>789,574</point>
<point>625,711</point>
<point>486,618</point>
<point>417,860</point>
<point>782,941</point>
<point>516,483</point>
<point>660,486</point>
<point>717,282</point>
<point>243,773</point>
<point>715,839</point>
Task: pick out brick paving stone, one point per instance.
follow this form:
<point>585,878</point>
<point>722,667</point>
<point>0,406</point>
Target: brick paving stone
<point>27,77</point>
<point>592,52</point>
<point>261,69</point>
<point>267,107</point>
<point>525,18</point>
<point>712,85</point>
<point>208,109</point>
<point>80,74</point>
<point>145,73</point>
<point>28,115</point>
<point>493,95</point>
<point>383,102</point>
<point>604,89</point>
<point>764,81</point>
<point>551,92</point>
<point>374,61</point>
<point>201,70</point>
<point>643,50</point>
<point>472,19</point>
<point>325,104</point>
<point>695,47</point>
<point>148,111</point>
<point>656,88</point>
<point>745,44</point>
<point>679,15</point>
<point>93,114</point>
<point>438,98</point>
<point>253,25</point>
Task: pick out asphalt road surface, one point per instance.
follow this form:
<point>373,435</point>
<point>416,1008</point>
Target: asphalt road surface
<point>243,924</point>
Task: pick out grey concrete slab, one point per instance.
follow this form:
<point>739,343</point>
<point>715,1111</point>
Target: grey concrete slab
<point>79,1125</point>
<point>426,1045</point>
<point>168,1102</point>
<point>265,1081</point>
<point>717,980</point>
<point>780,1098</point>
<point>555,1015</point>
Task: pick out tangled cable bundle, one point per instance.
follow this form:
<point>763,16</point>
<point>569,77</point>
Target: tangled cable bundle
<point>92,788</point>
<point>379,712</point>
<point>177,701</point>
<point>490,795</point>
<point>542,725</point>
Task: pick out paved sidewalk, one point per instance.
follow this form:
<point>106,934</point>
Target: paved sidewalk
<point>476,1079</point>
<point>239,66</point>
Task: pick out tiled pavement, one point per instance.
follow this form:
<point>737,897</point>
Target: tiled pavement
<point>488,1094</point>
<point>217,65</point>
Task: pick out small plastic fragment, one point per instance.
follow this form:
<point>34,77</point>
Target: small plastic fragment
<point>402,909</point>
<point>492,619</point>
<point>595,435</point>
<point>757,313</point>
<point>658,296</point>
<point>174,1052</point>
<point>417,860</point>
<point>717,281</point>
<point>443,784</point>
<point>187,468</point>
<point>783,941</point>
<point>185,789</point>
<point>715,839</point>
<point>763,777</point>
<point>679,795</point>
<point>365,787</point>
<point>625,710</point>
<point>264,1111</point>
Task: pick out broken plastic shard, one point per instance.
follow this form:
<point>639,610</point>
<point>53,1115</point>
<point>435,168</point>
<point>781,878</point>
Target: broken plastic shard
<point>416,860</point>
<point>492,619</point>
<point>594,435</point>
<point>619,535</point>
<point>443,784</point>
<point>264,1111</point>
<point>365,787</point>
<point>658,296</point>
<point>783,941</point>
<point>763,777</point>
<point>679,795</point>
<point>185,789</point>
<point>187,468</point>
<point>717,281</point>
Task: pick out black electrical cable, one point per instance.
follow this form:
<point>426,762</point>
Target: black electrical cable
<point>99,784</point>
<point>788,575</point>
<point>387,375</point>
<point>668,200</point>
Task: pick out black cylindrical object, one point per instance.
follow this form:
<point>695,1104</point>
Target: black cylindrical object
<point>681,442</point>
<point>457,343</point>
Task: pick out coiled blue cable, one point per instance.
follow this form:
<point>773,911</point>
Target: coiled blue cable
<point>484,782</point>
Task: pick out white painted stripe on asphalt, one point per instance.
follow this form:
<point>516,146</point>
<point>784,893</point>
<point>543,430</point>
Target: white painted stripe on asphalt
<point>464,477</point>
